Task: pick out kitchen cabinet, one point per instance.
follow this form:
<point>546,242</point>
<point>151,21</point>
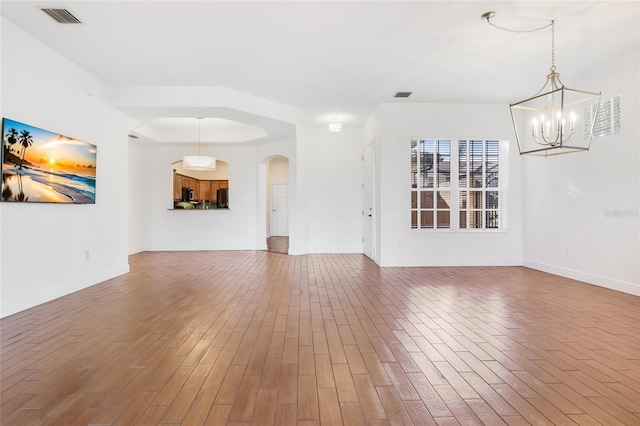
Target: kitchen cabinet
<point>177,186</point>
<point>203,190</point>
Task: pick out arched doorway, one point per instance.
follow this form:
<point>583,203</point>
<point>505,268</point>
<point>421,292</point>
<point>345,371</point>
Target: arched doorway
<point>277,199</point>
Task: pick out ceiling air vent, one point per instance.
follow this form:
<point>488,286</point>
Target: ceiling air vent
<point>402,94</point>
<point>62,16</point>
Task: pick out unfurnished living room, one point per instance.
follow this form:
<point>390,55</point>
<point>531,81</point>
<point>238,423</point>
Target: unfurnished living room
<point>320,212</point>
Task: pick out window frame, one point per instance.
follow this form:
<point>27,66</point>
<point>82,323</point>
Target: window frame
<point>456,188</point>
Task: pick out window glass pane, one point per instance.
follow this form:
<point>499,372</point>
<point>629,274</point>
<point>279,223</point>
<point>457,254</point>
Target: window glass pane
<point>462,163</point>
<point>414,199</point>
<point>444,199</point>
<point>414,220</point>
<point>475,164</point>
<point>426,219</point>
<point>492,219</point>
<point>414,164</point>
<point>475,199</point>
<point>492,200</point>
<point>491,170</point>
<point>426,163</point>
<point>444,219</point>
<point>475,219</point>
<point>463,199</point>
<point>463,219</point>
<point>444,163</point>
<point>426,199</point>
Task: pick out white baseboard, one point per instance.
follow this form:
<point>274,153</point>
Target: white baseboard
<point>610,283</point>
<point>404,262</point>
<point>14,306</point>
<point>202,247</point>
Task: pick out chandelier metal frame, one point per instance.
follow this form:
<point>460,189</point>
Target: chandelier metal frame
<point>550,113</point>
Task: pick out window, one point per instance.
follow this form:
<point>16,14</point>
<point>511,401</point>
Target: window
<point>431,184</point>
<point>608,118</point>
<point>477,187</point>
<point>478,183</point>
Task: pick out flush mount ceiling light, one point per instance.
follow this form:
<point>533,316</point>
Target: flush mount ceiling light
<point>551,122</point>
<point>335,127</point>
<point>199,162</point>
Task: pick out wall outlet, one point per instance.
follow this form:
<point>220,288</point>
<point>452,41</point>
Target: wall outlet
<point>87,255</point>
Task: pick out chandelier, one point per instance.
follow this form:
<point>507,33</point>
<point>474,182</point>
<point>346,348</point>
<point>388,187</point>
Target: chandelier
<point>552,121</point>
<point>199,162</point>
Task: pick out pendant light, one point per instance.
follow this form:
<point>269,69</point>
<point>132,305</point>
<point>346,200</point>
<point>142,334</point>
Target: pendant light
<point>553,121</point>
<point>199,162</point>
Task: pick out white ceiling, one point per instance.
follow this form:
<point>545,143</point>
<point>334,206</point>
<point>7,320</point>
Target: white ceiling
<point>331,60</point>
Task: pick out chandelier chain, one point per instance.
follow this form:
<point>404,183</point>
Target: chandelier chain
<point>533,30</point>
<point>512,30</point>
<point>553,46</point>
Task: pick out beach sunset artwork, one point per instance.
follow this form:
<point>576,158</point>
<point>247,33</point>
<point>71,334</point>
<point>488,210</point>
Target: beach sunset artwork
<point>39,166</point>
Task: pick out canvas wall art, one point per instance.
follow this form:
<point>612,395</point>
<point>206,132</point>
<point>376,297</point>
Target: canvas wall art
<point>39,166</point>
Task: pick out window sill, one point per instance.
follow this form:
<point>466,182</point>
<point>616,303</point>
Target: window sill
<point>460,231</point>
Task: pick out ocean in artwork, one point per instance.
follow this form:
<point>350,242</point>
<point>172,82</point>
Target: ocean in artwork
<point>47,186</point>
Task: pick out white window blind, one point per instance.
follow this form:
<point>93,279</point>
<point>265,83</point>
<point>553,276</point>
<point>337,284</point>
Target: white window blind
<point>479,184</point>
<point>608,118</point>
<point>430,184</point>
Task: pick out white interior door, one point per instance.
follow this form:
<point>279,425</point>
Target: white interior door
<point>279,210</point>
<point>368,246</point>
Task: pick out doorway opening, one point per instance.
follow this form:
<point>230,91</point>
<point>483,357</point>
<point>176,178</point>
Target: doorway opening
<point>278,205</point>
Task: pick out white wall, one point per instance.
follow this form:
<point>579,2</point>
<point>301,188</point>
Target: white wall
<point>137,196</point>
<point>393,126</point>
<point>44,245</point>
<point>325,207</point>
<point>329,193</point>
<point>168,229</point>
<point>568,230</point>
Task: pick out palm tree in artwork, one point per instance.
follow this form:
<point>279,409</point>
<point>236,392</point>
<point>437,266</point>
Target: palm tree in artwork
<point>12,139</point>
<point>7,193</point>
<point>21,195</point>
<point>26,140</point>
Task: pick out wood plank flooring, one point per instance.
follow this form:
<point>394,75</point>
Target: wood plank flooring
<point>262,338</point>
<point>278,244</point>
